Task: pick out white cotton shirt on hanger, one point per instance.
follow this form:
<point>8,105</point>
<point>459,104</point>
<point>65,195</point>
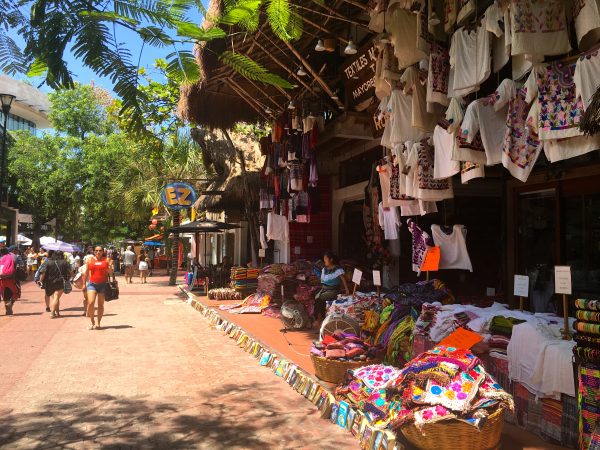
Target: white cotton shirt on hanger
<point>470,55</point>
<point>587,23</point>
<point>278,227</point>
<point>402,26</point>
<point>443,142</point>
<point>488,116</point>
<point>389,221</point>
<point>453,247</point>
<point>399,111</point>
<point>413,87</point>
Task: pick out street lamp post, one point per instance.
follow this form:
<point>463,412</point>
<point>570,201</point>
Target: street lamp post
<point>6,100</point>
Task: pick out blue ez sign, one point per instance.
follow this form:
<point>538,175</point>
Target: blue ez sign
<point>178,195</point>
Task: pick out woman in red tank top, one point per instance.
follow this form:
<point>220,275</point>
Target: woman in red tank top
<point>98,271</point>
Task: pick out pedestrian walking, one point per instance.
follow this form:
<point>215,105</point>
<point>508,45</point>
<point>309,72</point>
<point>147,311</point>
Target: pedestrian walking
<point>98,271</point>
<point>9,291</point>
<point>57,272</point>
<point>115,256</point>
<point>143,266</point>
<point>150,260</point>
<point>31,260</point>
<point>129,258</point>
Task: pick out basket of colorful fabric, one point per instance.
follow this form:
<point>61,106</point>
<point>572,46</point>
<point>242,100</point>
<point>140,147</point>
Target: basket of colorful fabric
<point>447,400</point>
<point>340,352</point>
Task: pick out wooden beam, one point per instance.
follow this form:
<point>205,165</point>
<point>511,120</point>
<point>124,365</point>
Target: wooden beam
<point>280,64</point>
<point>315,75</point>
<point>333,14</point>
<point>357,4</point>
<point>253,103</point>
<point>270,97</point>
<point>323,29</point>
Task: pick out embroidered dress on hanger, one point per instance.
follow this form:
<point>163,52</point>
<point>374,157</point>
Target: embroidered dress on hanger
<point>470,56</point>
<point>420,242</point>
<point>521,146</point>
<point>560,109</point>
<point>426,186</point>
<point>538,27</point>
<point>438,75</point>
<point>402,26</point>
<point>443,142</point>
<point>470,170</point>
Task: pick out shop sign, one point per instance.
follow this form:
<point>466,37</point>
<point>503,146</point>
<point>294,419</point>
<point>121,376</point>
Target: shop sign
<point>358,75</point>
<point>377,278</point>
<point>24,227</point>
<point>562,279</point>
<point>357,277</point>
<point>178,196</point>
<point>521,286</point>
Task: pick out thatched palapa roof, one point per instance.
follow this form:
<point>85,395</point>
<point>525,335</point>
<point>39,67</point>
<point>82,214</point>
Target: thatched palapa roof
<point>224,97</point>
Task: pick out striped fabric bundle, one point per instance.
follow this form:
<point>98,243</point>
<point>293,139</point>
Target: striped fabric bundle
<point>587,327</point>
<point>581,303</point>
<point>588,316</point>
<point>589,402</point>
<point>552,412</point>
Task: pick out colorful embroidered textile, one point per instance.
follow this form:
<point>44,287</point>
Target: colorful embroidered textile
<point>427,187</point>
<point>420,241</point>
<point>587,354</point>
<point>581,303</point>
<point>521,146</point>
<point>254,303</point>
<point>438,75</point>
<point>538,27</point>
<point>377,376</point>
<point>560,110</point>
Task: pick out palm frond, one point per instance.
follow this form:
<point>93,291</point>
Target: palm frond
<point>252,70</point>
<point>245,13</point>
<point>182,67</point>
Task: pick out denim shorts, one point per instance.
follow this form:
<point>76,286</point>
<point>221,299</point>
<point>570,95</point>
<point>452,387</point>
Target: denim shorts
<point>100,288</point>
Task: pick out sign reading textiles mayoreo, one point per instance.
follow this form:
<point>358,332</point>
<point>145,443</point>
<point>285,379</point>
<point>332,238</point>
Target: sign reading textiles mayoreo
<point>178,195</point>
<point>359,77</point>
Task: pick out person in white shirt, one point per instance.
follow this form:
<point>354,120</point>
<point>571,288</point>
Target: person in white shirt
<point>129,259</point>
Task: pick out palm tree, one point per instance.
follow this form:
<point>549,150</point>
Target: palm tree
<point>89,28</point>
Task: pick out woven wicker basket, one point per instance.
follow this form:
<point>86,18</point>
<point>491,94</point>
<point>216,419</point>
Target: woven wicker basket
<point>457,435</point>
<point>334,371</point>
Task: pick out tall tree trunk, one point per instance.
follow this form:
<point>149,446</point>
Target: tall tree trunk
<point>250,213</point>
<point>175,251</point>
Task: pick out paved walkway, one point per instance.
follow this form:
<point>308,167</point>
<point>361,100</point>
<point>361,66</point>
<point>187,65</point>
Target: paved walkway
<point>156,376</point>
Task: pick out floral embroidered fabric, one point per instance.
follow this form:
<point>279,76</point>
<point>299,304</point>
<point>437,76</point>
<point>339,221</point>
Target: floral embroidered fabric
<point>438,76</point>
<point>522,146</point>
<point>560,109</point>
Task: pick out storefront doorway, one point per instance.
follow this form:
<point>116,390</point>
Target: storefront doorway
<point>352,232</point>
<point>558,223</point>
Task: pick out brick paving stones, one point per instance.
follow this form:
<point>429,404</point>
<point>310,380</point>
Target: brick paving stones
<point>156,376</point>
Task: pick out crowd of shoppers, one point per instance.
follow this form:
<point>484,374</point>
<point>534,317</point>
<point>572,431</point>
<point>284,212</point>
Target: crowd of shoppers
<point>57,273</point>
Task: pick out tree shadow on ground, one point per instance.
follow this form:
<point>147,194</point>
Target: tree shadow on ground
<point>109,422</point>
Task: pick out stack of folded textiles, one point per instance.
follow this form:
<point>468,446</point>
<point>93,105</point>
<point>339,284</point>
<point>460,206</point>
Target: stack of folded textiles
<point>552,412</point>
<point>588,330</point>
<point>244,279</point>
<point>344,347</point>
<point>589,402</point>
<point>501,330</point>
<point>224,294</point>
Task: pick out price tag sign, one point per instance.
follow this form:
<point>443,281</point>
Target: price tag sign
<point>377,278</point>
<point>261,253</point>
<point>356,276</point>
<point>431,262</point>
<point>562,279</point>
<point>521,286</point>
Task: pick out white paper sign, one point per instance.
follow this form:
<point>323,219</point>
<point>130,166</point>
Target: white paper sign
<point>261,253</point>
<point>562,279</point>
<point>521,285</point>
<point>297,250</point>
<point>377,278</point>
<point>356,276</point>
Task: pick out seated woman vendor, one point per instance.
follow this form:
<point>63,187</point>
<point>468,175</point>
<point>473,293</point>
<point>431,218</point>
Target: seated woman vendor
<point>332,277</point>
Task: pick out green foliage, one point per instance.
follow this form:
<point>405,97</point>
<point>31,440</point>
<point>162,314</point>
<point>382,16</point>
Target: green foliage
<point>252,70</point>
<point>77,112</point>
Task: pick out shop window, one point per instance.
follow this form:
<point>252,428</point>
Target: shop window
<point>582,242</point>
